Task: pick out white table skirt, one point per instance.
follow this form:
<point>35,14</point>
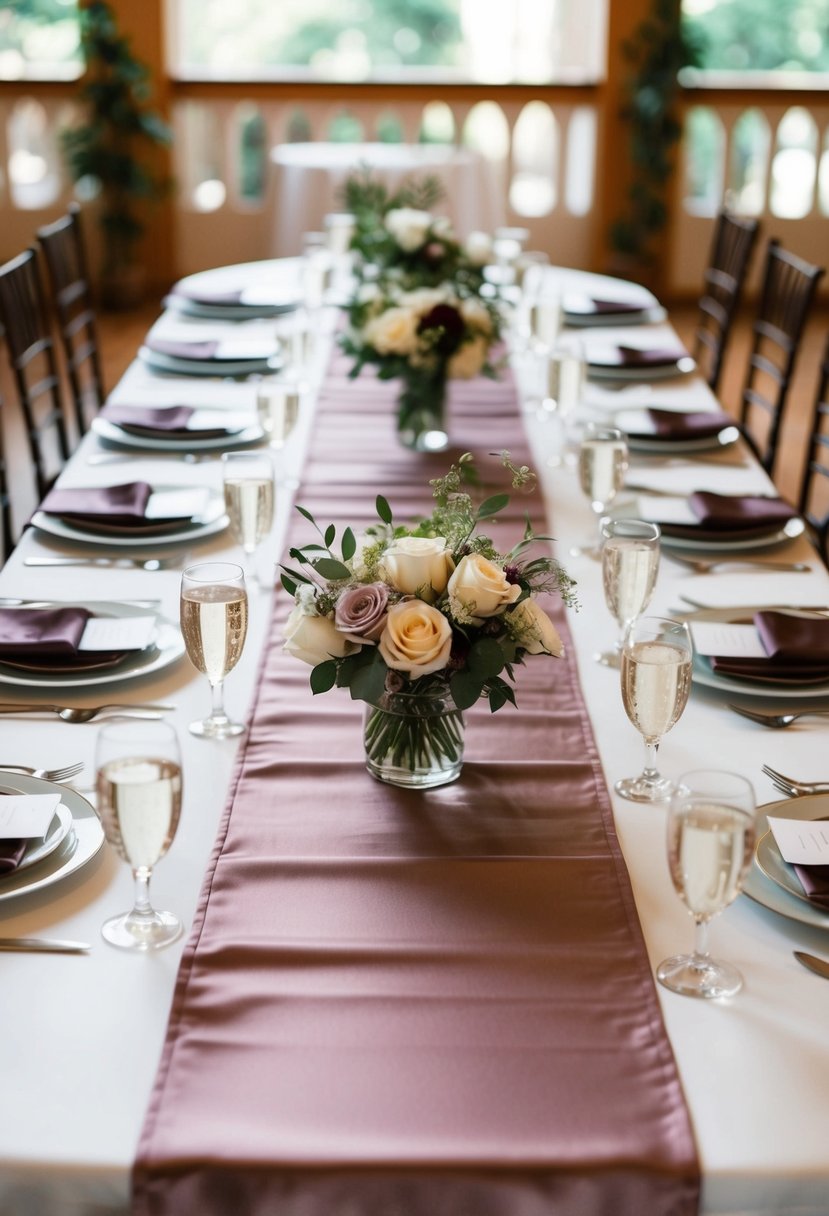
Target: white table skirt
<point>82,1035</point>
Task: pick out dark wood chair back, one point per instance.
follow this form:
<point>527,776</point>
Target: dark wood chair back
<point>65,256</point>
<point>813,503</point>
<point>7,537</point>
<point>731,249</point>
<point>788,290</point>
<point>32,357</point>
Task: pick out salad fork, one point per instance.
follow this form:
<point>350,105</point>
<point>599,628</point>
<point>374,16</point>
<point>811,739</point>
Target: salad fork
<point>778,720</point>
<point>793,788</point>
<point>134,563</point>
<point>46,774</point>
<point>702,565</point>
<point>71,713</point>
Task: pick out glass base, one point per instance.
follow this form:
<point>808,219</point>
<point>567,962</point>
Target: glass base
<point>588,549</point>
<point>701,977</point>
<point>216,728</point>
<point>608,658</point>
<point>132,931</point>
<point>430,440</point>
<point>414,779</point>
<point>644,788</point>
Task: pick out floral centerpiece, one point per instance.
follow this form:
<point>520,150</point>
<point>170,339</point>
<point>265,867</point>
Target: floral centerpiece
<point>420,312</point>
<point>421,621</point>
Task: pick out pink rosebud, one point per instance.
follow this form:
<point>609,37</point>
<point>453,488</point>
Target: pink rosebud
<point>360,612</point>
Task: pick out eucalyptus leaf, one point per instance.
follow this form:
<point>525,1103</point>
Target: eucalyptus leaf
<point>486,658</point>
<point>491,506</point>
<point>369,683</point>
<point>383,509</point>
<point>324,676</point>
<point>330,533</point>
<point>307,515</point>
<point>288,584</point>
<point>330,568</point>
<point>466,688</point>
<point>349,545</point>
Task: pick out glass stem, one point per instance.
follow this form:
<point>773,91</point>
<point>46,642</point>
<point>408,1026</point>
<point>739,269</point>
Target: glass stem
<point>217,711</point>
<point>701,955</point>
<point>142,906</point>
<point>651,772</point>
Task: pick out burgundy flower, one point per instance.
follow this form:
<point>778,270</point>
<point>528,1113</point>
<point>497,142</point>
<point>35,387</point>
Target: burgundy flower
<point>512,574</point>
<point>450,325</point>
<point>434,251</point>
<point>361,612</point>
<point>395,682</point>
<point>458,654</point>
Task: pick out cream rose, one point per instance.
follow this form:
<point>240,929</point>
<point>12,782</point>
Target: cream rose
<point>409,227</point>
<point>417,639</point>
<point>478,589</point>
<point>418,565</point>
<point>313,639</point>
<point>476,315</point>
<point>393,332</point>
<point>478,248</point>
<point>467,362</point>
<point>533,629</point>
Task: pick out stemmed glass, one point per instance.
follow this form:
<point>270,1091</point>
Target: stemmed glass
<point>603,464</point>
<point>710,845</point>
<point>277,406</point>
<point>139,803</point>
<point>630,563</point>
<point>214,623</point>
<point>656,681</point>
<point>249,501</point>
<point>565,373</point>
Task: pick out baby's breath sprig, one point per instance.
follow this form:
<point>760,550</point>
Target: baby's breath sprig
<point>523,478</point>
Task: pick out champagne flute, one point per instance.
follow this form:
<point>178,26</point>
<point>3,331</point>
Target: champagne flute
<point>278,404</point>
<point>710,845</point>
<point>214,623</point>
<point>630,563</point>
<point>603,463</point>
<point>656,681</point>
<point>563,390</point>
<point>249,501</point>
<point>139,803</point>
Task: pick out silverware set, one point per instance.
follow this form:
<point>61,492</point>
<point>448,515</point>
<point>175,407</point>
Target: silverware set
<point>45,774</point>
<point>113,563</point>
<point>72,713</point>
<point>793,788</point>
<point>778,721</point>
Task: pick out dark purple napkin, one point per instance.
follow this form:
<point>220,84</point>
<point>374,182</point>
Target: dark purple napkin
<point>182,350</point>
<point>11,855</point>
<point>122,505</point>
<point>149,420</point>
<point>633,357</point>
<point>48,639</point>
<point>675,426</point>
<point>815,883</point>
<point>584,307</point>
<point>220,298</point>
<point>727,517</point>
<point>797,650</point>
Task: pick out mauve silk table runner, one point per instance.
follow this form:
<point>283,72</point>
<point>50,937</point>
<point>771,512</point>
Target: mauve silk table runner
<point>400,1003</point>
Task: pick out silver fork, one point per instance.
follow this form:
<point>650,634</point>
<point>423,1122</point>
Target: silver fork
<point>705,565</point>
<point>793,788</point>
<point>129,563</point>
<point>778,720</point>
<point>46,774</point>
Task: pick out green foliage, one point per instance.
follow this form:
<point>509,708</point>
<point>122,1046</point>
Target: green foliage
<point>761,35</point>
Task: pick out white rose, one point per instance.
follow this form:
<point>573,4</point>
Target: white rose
<point>442,226</point>
<point>409,227</point>
<point>417,639</point>
<point>533,629</point>
<point>478,248</point>
<point>393,332</point>
<point>478,589</point>
<point>418,565</point>
<point>468,360</point>
<point>424,299</point>
<point>368,292</point>
<point>313,639</point>
<point>476,315</point>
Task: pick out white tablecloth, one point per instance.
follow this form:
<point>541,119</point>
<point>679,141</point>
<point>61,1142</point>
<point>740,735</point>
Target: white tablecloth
<point>310,178</point>
<point>82,1035</point>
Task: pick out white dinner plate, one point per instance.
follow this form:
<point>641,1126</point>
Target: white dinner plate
<point>765,890</point>
<point>212,520</point>
<point>167,648</point>
<point>790,531</point>
<point>701,672</point>
<point>663,447</point>
<point>227,312</point>
<point>110,432</point>
<point>664,371</point>
<point>645,316</point>
<point>172,364</point>
<point>75,851</point>
<point>41,847</point>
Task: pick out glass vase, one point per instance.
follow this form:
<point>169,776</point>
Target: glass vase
<point>421,408</point>
<point>412,740</point>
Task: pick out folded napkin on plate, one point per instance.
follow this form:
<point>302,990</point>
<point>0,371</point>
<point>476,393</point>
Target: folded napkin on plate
<point>633,356</point>
<point>584,306</point>
<point>197,296</point>
<point>676,426</point>
<point>259,296</point>
<point>48,638</point>
<point>797,650</point>
<point>166,420</point>
<point>182,350</point>
<point>11,855</point>
<point>815,883</point>
<point>121,505</point>
<point>727,517</point>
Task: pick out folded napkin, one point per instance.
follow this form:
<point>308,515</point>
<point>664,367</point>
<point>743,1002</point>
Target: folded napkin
<point>197,296</point>
<point>48,639</point>
<point>11,855</point>
<point>582,306</point>
<point>170,421</point>
<point>122,505</point>
<point>633,356</point>
<point>797,650</point>
<point>815,883</point>
<point>182,350</point>
<point>260,296</point>
<point>674,426</point>
<point>725,517</point>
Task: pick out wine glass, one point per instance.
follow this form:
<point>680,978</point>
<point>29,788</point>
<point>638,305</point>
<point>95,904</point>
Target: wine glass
<point>603,463</point>
<point>139,803</point>
<point>630,563</point>
<point>565,373</point>
<point>249,501</point>
<point>277,405</point>
<point>214,623</point>
<point>710,845</point>
<point>656,680</point>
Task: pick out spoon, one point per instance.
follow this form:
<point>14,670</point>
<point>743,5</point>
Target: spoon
<point>71,713</point>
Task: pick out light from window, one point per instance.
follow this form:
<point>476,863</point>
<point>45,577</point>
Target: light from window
<point>40,40</point>
<point>760,35</point>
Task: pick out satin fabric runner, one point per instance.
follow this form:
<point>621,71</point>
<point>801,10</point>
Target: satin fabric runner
<point>415,1003</point>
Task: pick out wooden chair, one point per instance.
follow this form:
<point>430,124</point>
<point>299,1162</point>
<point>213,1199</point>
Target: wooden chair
<point>32,357</point>
<point>7,538</point>
<point>63,250</point>
<point>813,503</point>
<point>731,250</point>
<point>789,285</point>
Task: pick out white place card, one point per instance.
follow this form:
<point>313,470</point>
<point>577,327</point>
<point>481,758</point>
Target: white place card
<point>118,633</point>
<point>802,842</point>
<point>727,641</point>
<point>212,420</point>
<point>639,422</point>
<point>26,816</point>
<point>177,504</point>
<point>242,348</point>
<point>665,510</point>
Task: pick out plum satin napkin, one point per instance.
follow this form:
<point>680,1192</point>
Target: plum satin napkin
<point>11,855</point>
<point>122,504</point>
<point>182,350</point>
<point>671,425</point>
<point>633,356</point>
<point>725,517</point>
<point>584,306</point>
<point>48,638</point>
<point>426,1003</point>
<point>797,650</point>
<point>815,883</point>
<point>168,420</point>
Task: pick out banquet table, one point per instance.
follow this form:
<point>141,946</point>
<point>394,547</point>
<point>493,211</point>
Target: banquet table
<point>310,178</point>
<point>84,1035</point>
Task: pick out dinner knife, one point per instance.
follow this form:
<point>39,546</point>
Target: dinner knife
<point>819,965</point>
<point>43,945</point>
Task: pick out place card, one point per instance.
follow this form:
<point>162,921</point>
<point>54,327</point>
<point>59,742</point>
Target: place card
<point>26,816</point>
<point>245,348</point>
<point>118,633</point>
<point>215,420</point>
<point>663,510</point>
<point>727,641</point>
<point>184,503</point>
<point>802,842</point>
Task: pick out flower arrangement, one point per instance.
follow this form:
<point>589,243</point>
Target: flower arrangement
<point>431,611</point>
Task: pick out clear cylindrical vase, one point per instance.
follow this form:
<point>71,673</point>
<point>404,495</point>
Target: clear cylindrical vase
<point>421,410</point>
<point>412,740</point>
